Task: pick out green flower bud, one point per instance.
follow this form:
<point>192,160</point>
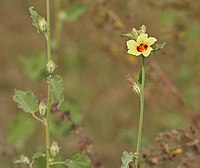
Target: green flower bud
<point>135,33</point>
<point>136,89</point>
<point>54,149</point>
<point>51,66</point>
<point>143,29</point>
<point>42,24</point>
<point>42,108</point>
<point>25,160</point>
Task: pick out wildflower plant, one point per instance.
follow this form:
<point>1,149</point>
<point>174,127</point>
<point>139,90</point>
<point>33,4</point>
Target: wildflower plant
<point>41,111</point>
<point>139,45</point>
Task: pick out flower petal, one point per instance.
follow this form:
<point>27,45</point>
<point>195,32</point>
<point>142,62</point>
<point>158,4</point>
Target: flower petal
<point>150,41</point>
<point>131,44</point>
<point>142,38</point>
<point>134,52</point>
<point>147,52</point>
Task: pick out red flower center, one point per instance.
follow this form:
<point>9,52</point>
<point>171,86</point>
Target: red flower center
<point>142,48</point>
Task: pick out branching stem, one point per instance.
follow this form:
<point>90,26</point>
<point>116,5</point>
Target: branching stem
<point>39,119</point>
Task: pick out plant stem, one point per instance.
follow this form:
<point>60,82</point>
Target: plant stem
<point>48,116</point>
<point>57,163</point>
<point>141,115</point>
<point>39,119</point>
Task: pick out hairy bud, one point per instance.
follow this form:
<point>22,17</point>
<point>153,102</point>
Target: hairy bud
<point>42,24</point>
<point>54,149</point>
<point>51,66</point>
<point>42,108</point>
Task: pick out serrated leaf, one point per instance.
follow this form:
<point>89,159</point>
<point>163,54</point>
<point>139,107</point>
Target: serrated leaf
<point>36,18</point>
<point>21,129</point>
<point>26,100</point>
<point>129,35</point>
<point>78,161</point>
<point>126,159</point>
<point>74,11</point>
<point>158,47</point>
<point>38,155</point>
<point>57,88</point>
<point>34,66</point>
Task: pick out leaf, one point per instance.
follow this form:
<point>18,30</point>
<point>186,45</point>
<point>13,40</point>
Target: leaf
<point>126,159</point>
<point>57,88</point>
<point>78,161</point>
<point>36,18</point>
<point>23,160</point>
<point>159,47</point>
<point>21,129</point>
<point>139,82</point>
<point>129,35</point>
<point>140,78</point>
<point>74,11</point>
<point>34,67</point>
<point>38,155</point>
<point>26,100</point>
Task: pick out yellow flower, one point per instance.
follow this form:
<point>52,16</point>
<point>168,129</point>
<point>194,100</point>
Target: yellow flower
<point>141,46</point>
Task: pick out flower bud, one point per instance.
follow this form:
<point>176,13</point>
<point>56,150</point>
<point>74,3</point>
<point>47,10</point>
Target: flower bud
<point>54,149</point>
<point>51,66</point>
<point>25,159</point>
<point>42,108</point>
<point>136,88</point>
<point>42,24</point>
<point>135,33</point>
<point>143,29</point>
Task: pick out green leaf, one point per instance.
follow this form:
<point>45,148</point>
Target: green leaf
<point>57,88</point>
<point>35,66</point>
<point>78,161</point>
<point>36,19</point>
<point>21,129</point>
<point>140,78</point>
<point>158,47</point>
<point>126,159</point>
<point>38,155</point>
<point>74,11</point>
<point>26,100</point>
<point>129,35</point>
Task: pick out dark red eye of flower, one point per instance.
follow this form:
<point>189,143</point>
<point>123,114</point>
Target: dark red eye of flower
<point>142,48</point>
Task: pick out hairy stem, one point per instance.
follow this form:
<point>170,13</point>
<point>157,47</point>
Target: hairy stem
<point>141,115</point>
<point>39,119</point>
<point>48,116</point>
<point>57,163</point>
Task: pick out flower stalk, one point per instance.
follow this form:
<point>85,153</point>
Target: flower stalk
<point>139,138</point>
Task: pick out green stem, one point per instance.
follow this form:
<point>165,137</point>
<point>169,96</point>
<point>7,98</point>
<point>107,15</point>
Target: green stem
<point>56,163</point>
<point>39,119</point>
<point>141,115</point>
<point>48,116</point>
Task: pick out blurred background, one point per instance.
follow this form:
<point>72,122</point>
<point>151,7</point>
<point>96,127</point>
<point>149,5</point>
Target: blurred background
<point>92,59</point>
